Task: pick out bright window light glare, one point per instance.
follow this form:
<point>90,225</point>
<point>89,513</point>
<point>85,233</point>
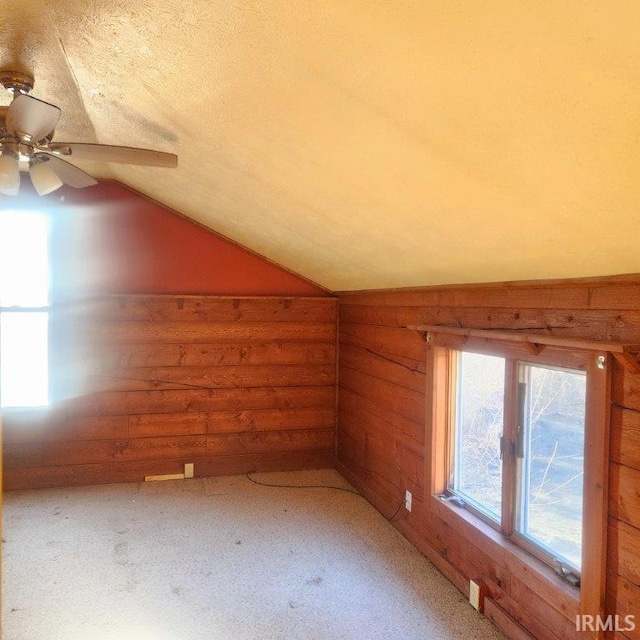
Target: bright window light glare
<point>24,264</point>
<point>24,375</point>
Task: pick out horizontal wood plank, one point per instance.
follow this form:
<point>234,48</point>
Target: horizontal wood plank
<point>486,296</point>
<point>266,461</point>
<point>504,621</point>
<point>620,325</point>
<point>543,621</point>
<point>208,309</point>
<point>412,431</point>
<point>621,296</point>
<point>220,377</point>
<point>406,402</point>
<point>624,596</point>
<point>107,357</point>
<point>140,402</point>
<point>270,420</point>
<point>52,426</point>
<point>269,441</point>
<point>626,388</point>
<point>625,436</point>
<point>528,297</point>
<point>373,315</point>
<point>38,478</point>
<point>392,297</point>
<point>123,331</point>
<point>168,424</point>
<point>388,341</point>
<point>385,494</point>
<point>22,455</point>
<point>528,338</point>
<point>160,447</point>
<point>411,376</point>
<point>624,494</point>
<point>84,452</point>
<point>624,551</point>
<point>79,452</point>
<point>135,471</point>
<point>380,455</point>
<point>376,428</point>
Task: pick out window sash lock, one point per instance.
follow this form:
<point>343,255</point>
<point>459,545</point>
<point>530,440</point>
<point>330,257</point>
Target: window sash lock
<point>507,448</point>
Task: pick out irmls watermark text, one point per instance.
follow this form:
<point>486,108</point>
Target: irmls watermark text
<point>586,622</point>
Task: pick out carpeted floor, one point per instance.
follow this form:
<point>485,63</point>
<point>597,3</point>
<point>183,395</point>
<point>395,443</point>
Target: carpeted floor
<point>219,559</point>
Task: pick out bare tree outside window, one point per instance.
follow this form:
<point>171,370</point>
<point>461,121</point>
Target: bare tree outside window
<point>552,469</point>
<point>548,452</point>
<point>479,424</point>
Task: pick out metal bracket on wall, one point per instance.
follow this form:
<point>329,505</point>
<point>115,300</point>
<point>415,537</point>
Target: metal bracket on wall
<point>425,335</point>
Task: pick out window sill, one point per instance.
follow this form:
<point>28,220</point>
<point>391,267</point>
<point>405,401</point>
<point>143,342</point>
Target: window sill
<point>524,565</point>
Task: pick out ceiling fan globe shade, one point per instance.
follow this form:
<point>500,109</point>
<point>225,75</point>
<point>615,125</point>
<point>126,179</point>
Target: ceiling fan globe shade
<point>44,178</point>
<point>9,175</point>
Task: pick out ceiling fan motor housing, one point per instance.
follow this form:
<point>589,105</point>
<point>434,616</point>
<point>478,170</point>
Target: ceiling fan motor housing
<point>16,81</point>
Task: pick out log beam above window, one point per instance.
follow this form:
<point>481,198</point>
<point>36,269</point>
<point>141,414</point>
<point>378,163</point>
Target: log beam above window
<point>628,355</point>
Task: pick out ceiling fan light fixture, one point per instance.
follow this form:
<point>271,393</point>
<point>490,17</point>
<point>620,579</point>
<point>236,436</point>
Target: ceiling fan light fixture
<point>9,174</point>
<point>44,178</point>
<point>26,135</point>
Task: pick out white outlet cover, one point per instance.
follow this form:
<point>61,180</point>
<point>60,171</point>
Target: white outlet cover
<point>408,498</point>
<point>474,595</point>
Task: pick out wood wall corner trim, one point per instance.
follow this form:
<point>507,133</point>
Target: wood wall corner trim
<point>596,490</point>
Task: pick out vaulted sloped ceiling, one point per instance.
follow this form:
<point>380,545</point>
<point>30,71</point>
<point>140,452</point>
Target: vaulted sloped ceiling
<point>364,143</point>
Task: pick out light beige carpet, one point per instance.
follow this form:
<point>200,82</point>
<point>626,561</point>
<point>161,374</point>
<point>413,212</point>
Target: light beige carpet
<point>219,559</point>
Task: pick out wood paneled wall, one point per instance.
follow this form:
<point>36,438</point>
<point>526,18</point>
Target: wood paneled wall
<point>382,447</point>
<point>231,384</point>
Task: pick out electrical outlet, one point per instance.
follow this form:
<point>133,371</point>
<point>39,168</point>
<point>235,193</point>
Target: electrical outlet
<point>476,595</point>
<point>408,498</point>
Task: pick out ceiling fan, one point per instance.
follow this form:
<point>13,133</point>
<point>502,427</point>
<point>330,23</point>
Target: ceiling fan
<point>26,141</point>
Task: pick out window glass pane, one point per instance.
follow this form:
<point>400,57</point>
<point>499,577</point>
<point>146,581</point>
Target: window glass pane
<point>24,264</point>
<point>23,359</point>
<point>550,510</point>
<point>477,472</point>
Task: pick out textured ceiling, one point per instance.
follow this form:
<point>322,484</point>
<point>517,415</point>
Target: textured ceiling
<point>364,143</point>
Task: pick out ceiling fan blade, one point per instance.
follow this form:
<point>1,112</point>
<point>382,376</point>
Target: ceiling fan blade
<point>110,153</point>
<point>32,117</point>
<point>67,172</point>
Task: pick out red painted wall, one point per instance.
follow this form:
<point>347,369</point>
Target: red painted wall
<point>109,239</point>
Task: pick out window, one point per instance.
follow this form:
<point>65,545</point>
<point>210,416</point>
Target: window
<point>549,455</point>
<point>513,477</point>
<point>476,468</point>
<point>526,476</point>
<point>24,309</point>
